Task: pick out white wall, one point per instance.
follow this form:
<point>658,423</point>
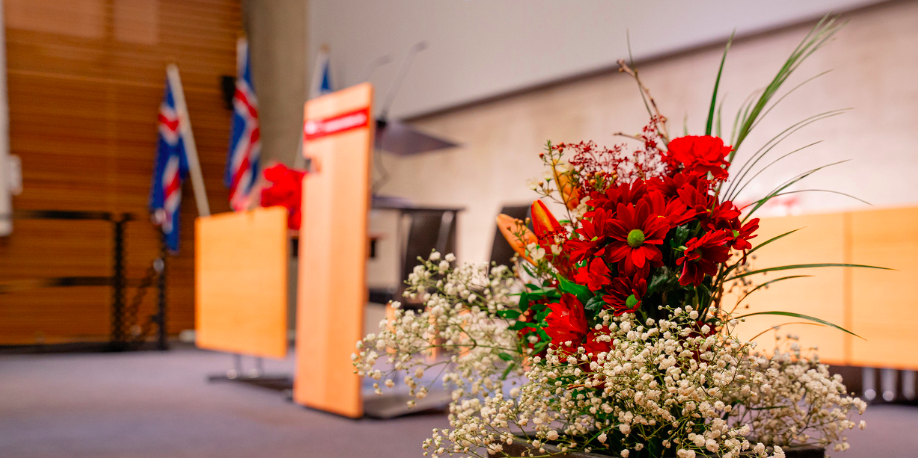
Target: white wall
<point>482,48</point>
<point>874,62</point>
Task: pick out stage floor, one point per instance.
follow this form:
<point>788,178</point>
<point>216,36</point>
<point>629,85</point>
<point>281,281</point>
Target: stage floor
<point>152,404</point>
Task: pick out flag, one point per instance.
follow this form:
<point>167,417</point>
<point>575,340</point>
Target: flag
<point>171,167</point>
<point>321,78</point>
<point>242,168</point>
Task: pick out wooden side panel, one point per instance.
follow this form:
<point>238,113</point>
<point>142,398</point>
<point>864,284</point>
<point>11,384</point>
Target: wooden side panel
<point>241,282</point>
<point>821,239</point>
<point>885,306</point>
<point>333,256</point>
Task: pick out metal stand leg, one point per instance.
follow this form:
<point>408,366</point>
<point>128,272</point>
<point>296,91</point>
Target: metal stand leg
<point>160,266</point>
<point>256,376</point>
<point>870,384</point>
<point>118,341</point>
<point>888,382</point>
<point>908,385</point>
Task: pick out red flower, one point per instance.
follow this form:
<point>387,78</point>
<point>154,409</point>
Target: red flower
<point>702,255</point>
<point>674,210</point>
<point>700,155</point>
<point>592,236</point>
<point>742,235</point>
<point>635,232</point>
<point>286,190</point>
<point>594,346</point>
<point>625,294</point>
<point>723,216</point>
<point>566,322</point>
<point>595,275</point>
<point>670,186</point>
<point>697,199</point>
<point>619,194</point>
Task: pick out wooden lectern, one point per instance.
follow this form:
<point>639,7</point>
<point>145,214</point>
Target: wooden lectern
<point>332,292</point>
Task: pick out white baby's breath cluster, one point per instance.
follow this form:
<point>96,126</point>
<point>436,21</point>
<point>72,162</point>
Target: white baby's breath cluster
<point>673,386</point>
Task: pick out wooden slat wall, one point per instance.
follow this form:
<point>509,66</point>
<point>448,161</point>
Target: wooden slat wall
<point>85,82</point>
<point>878,305</point>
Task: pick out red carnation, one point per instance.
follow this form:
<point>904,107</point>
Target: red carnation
<point>635,232</point>
<point>625,294</point>
<point>566,321</point>
<point>700,155</point>
<point>702,255</point>
<point>595,275</point>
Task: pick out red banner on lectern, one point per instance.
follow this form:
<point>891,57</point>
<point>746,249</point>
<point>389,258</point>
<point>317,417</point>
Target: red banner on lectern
<point>318,128</point>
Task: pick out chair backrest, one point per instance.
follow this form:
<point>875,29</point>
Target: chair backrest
<point>428,230</point>
<point>501,251</point>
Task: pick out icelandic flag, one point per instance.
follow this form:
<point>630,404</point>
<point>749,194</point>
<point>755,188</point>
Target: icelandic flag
<point>242,163</point>
<point>321,78</point>
<point>171,168</point>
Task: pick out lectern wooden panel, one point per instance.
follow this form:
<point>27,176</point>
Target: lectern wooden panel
<point>333,250</point>
<point>241,282</point>
<point>885,308</point>
<point>821,239</point>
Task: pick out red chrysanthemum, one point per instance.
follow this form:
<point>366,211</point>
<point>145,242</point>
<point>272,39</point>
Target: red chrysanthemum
<point>700,155</point>
<point>740,237</point>
<point>591,236</point>
<point>566,321</point>
<point>594,275</point>
<point>634,235</point>
<point>625,193</point>
<point>702,255</point>
<point>674,210</point>
<point>625,294</point>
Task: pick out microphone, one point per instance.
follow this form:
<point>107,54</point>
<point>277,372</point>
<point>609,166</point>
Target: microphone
<point>373,65</point>
<point>403,69</point>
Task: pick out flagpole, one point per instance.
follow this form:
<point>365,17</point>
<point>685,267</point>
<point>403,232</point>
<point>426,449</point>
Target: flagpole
<point>194,167</point>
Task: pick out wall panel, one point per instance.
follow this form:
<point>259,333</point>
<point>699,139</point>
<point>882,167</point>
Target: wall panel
<point>85,82</point>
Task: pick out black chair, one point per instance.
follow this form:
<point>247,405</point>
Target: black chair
<point>501,251</point>
<point>428,229</point>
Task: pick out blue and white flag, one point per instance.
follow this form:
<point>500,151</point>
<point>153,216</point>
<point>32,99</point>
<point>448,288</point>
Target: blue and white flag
<point>242,163</point>
<point>170,169</point>
<point>321,75</point>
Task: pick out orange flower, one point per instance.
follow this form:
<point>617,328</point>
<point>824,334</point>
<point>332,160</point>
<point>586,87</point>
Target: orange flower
<point>517,234</point>
<point>543,222</point>
<point>569,192</point>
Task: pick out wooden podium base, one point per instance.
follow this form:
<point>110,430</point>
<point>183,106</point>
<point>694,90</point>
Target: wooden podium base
<point>392,405</point>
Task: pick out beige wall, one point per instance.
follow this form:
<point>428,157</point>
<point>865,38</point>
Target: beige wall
<point>874,60</point>
<point>277,35</point>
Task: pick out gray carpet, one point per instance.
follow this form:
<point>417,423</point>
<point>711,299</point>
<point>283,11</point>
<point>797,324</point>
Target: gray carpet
<point>159,405</point>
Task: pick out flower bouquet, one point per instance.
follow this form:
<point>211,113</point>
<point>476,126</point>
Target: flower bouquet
<point>612,335</point>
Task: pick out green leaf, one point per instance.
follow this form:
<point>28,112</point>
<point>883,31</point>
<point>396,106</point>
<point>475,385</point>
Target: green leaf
<point>815,39</point>
<point>786,185</point>
<point>804,266</point>
<point>505,356</point>
<point>507,371</point>
<point>710,124</point>
<point>519,325</point>
<point>582,292</point>
<point>511,314</point>
<point>595,304</point>
<point>773,239</point>
<point>801,316</point>
<point>789,277</point>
